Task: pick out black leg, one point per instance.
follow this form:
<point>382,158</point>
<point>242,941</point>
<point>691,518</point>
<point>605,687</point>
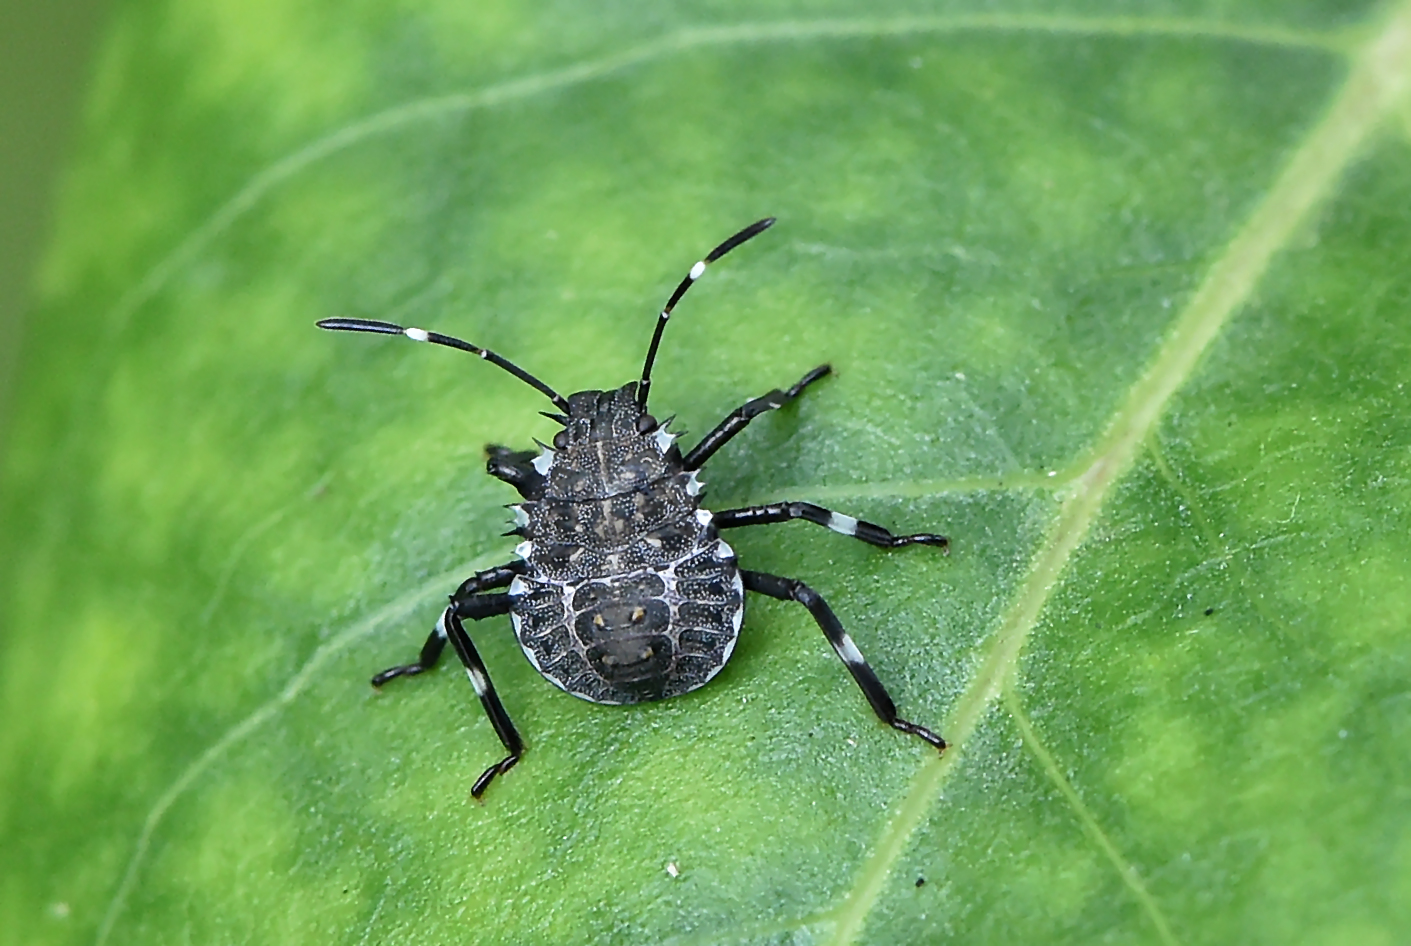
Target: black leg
<point>430,653</point>
<point>740,418</point>
<point>515,468</point>
<point>496,577</point>
<point>476,607</point>
<point>788,589</point>
<point>846,525</point>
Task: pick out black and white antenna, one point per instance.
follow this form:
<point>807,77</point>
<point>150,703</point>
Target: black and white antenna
<point>753,230</point>
<point>436,338</point>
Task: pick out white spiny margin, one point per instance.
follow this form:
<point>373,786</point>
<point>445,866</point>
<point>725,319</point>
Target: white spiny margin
<point>518,587</point>
<point>849,652</point>
<point>697,270</point>
<point>725,553</point>
<point>694,485</point>
<point>664,440</point>
<point>544,461</point>
<point>524,550</point>
<point>521,518</point>
<point>567,593</point>
<point>416,334</point>
<point>838,522</point>
<point>739,614</point>
<point>519,627</point>
<point>556,681</point>
<point>477,680</point>
<point>703,516</point>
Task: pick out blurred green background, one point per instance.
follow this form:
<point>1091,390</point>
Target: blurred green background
<point>44,57</point>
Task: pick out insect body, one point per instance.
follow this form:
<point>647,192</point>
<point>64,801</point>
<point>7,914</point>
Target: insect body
<point>628,594</point>
<point>623,590</point>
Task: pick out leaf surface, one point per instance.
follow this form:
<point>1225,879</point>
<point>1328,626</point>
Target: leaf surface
<point>1119,302</point>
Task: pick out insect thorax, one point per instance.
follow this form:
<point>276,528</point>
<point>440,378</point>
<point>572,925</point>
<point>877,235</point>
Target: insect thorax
<point>629,594</point>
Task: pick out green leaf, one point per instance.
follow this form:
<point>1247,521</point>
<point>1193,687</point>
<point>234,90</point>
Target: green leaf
<point>1118,301</point>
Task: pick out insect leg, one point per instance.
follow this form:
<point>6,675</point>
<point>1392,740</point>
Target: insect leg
<point>868,532</point>
<point>738,419</point>
<point>496,577</point>
<point>476,607</point>
<point>789,589</point>
<point>515,467</point>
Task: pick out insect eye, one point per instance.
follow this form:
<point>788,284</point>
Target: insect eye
<point>646,424</point>
<point>561,440</point>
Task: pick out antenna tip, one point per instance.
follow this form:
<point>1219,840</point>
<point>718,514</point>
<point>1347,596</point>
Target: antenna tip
<point>756,228</point>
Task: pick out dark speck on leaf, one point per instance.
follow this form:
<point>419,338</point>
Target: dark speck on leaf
<point>920,881</point>
<point>1209,611</point>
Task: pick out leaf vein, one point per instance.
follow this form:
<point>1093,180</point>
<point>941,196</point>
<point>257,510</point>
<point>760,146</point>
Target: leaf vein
<point>1375,86</point>
<point>392,611</point>
<point>1125,869</point>
<point>448,106</point>
<point>1236,558</point>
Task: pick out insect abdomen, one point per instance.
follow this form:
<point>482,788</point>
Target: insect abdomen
<point>648,635</point>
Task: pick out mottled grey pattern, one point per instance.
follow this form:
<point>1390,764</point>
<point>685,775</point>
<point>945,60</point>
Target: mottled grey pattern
<point>629,594</point>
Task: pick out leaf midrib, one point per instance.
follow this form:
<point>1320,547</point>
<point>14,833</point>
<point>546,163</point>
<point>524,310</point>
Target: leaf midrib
<point>1375,86</point>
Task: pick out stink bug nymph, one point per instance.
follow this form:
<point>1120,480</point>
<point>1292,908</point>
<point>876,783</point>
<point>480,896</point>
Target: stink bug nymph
<point>623,590</point>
